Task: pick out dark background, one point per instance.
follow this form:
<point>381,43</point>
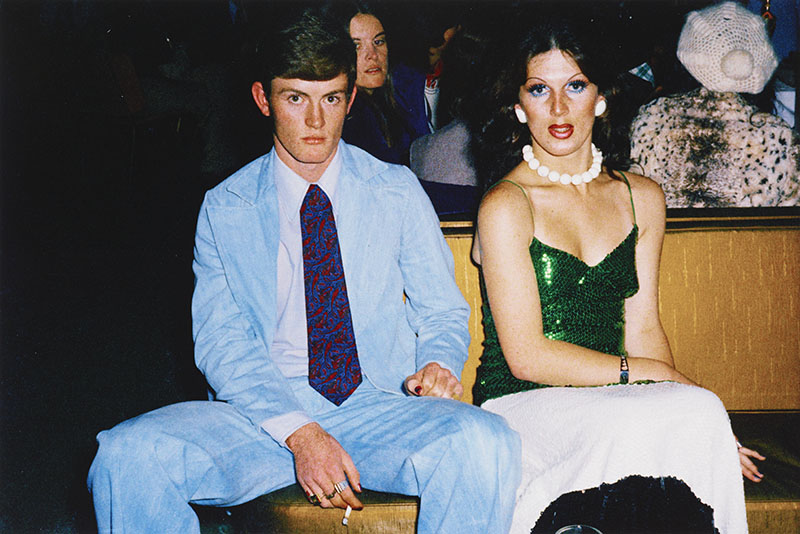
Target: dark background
<point>96,229</point>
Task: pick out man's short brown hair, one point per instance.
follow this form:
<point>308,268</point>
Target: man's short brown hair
<point>311,46</point>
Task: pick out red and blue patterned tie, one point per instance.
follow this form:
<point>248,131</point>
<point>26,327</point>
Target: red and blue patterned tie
<point>333,367</point>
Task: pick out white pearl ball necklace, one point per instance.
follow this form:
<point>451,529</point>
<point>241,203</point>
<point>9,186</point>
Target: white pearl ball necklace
<point>580,178</point>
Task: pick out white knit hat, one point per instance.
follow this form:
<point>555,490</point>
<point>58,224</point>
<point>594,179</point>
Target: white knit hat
<point>726,48</point>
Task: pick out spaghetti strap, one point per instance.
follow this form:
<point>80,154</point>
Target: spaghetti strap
<point>530,207</point>
<point>630,192</point>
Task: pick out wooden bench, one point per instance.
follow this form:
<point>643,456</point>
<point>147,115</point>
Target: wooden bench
<point>730,303</point>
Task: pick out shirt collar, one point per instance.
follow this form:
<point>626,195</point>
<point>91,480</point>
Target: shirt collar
<point>292,188</point>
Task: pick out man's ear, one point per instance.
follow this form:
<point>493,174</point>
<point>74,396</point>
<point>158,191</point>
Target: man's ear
<point>352,98</point>
<point>260,98</point>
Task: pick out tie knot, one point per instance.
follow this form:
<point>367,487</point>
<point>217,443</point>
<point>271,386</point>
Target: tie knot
<point>315,201</point>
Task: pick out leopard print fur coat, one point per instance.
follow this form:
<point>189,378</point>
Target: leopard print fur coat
<point>710,149</point>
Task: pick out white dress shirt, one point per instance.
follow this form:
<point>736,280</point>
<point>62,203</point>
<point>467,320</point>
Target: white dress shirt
<point>289,348</point>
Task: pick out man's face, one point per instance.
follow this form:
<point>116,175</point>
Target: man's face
<point>307,121</point>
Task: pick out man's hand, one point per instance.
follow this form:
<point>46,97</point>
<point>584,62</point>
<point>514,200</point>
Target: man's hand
<point>320,463</point>
<point>434,381</point>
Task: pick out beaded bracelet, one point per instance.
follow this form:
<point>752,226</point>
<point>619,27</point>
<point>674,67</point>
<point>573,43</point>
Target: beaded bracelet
<point>623,369</point>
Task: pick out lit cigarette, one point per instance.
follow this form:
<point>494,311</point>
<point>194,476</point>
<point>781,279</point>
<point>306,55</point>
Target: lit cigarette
<point>346,515</point>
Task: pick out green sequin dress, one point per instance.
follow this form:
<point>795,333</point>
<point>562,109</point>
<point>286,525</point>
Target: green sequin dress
<point>581,304</point>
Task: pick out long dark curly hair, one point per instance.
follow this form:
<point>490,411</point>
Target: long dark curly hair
<point>497,136</point>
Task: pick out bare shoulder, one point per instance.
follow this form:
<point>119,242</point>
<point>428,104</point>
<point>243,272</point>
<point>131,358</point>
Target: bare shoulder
<point>505,202</point>
<point>644,186</point>
<point>649,203</point>
<point>648,197</point>
<point>504,219</point>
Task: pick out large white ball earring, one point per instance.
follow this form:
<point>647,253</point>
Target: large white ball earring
<point>521,117</point>
<point>600,108</point>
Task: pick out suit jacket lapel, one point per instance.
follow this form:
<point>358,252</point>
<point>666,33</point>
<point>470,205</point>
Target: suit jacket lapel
<point>248,237</point>
<point>356,223</point>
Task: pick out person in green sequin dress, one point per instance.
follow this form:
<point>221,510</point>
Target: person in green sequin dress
<point>570,281</point>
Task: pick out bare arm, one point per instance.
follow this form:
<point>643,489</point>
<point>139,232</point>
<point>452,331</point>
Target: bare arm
<point>644,333</point>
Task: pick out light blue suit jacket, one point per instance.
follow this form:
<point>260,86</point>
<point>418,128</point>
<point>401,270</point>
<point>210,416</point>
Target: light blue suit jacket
<point>391,245</point>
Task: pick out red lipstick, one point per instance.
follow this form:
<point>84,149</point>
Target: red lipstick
<point>560,131</point>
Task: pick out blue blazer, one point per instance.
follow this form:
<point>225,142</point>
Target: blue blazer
<point>391,245</point>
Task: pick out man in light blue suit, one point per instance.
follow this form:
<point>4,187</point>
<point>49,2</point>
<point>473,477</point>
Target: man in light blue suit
<point>400,430</point>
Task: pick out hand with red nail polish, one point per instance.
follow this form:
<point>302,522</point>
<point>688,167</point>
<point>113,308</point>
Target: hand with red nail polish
<point>433,380</point>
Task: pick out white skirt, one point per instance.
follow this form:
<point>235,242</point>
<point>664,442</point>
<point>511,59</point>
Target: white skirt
<point>576,438</point>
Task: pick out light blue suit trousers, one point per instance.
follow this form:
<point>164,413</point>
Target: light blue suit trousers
<point>462,461</point>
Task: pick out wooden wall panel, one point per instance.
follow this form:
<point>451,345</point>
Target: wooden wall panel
<point>467,280</point>
<point>730,304</point>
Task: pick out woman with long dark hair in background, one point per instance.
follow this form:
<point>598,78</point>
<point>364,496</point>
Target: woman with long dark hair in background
<point>389,111</point>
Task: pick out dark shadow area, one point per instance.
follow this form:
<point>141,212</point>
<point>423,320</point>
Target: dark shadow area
<point>99,201</point>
